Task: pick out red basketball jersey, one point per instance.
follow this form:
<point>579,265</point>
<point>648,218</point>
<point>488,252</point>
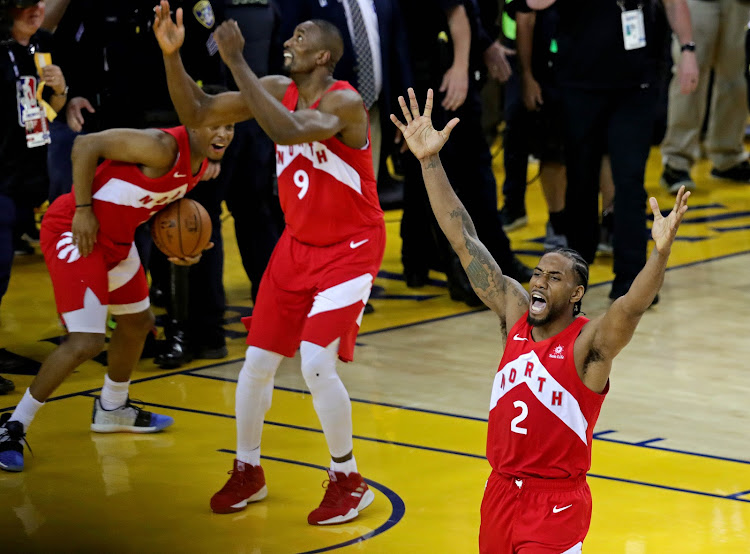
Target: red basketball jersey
<point>327,190</point>
<point>542,416</point>
<point>124,197</point>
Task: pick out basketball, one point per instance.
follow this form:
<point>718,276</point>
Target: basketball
<point>182,229</point>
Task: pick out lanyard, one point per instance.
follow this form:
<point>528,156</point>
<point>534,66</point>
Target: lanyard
<point>32,50</point>
<point>621,3</point>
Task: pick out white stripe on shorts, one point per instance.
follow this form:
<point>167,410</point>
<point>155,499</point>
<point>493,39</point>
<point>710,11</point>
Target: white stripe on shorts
<point>575,549</point>
<point>342,295</point>
<point>125,270</point>
<point>92,318</point>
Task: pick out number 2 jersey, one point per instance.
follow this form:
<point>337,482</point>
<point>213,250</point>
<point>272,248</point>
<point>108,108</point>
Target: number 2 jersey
<point>124,198</point>
<point>542,416</point>
<point>327,189</point>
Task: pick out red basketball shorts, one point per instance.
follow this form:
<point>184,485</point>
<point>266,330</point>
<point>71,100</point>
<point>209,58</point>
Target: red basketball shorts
<point>86,287</point>
<point>534,516</point>
<point>315,293</point>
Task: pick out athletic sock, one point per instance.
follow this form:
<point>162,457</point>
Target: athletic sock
<point>347,467</point>
<point>26,409</point>
<point>251,457</point>
<point>114,394</point>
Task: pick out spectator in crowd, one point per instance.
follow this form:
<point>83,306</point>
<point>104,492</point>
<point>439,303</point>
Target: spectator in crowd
<point>440,40</point>
<point>24,127</point>
<point>608,57</point>
<point>719,28</point>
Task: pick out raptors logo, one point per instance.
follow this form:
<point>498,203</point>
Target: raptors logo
<point>66,250</point>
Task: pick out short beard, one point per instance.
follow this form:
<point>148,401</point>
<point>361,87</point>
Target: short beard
<point>552,314</point>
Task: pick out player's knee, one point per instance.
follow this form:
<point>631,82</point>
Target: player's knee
<point>137,324</point>
<point>85,346</point>
<point>260,365</point>
<point>318,365</point>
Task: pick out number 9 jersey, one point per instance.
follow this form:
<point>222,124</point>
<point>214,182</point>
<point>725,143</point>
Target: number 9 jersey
<point>542,416</point>
<point>327,190</point>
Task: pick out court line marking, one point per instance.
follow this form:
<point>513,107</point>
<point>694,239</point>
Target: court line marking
<point>452,452</point>
<point>596,435</point>
<point>398,507</point>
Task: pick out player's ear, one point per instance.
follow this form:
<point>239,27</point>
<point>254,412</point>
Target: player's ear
<point>324,57</point>
<point>577,294</point>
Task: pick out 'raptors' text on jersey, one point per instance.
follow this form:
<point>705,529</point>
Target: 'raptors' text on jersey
<point>542,416</point>
<point>124,198</point>
<point>327,190</point>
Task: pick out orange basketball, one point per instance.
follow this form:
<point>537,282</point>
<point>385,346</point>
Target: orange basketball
<point>182,229</point>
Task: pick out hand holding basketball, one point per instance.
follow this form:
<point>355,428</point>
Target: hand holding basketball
<point>182,231</point>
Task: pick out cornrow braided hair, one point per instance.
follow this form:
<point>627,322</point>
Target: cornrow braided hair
<point>580,267</point>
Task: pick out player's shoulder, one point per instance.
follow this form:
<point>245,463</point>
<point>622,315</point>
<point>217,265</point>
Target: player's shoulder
<point>343,102</point>
<point>276,85</point>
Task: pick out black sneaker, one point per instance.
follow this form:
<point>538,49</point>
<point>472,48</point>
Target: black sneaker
<point>672,179</point>
<point>512,219</point>
<point>6,385</point>
<point>11,449</point>
<point>739,173</point>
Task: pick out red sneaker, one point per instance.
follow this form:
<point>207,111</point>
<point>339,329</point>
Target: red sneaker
<point>346,496</point>
<point>246,484</point>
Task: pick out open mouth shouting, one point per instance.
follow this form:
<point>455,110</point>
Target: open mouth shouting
<point>538,303</point>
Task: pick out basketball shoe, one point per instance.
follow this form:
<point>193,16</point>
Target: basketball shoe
<point>246,484</point>
<point>11,449</point>
<point>127,419</point>
<point>346,496</point>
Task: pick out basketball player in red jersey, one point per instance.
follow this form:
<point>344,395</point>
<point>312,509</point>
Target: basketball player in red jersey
<point>554,373</point>
<point>87,240</point>
<point>318,280</point>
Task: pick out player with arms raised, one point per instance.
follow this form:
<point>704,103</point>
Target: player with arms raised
<point>554,373</point>
<point>87,239</point>
<point>314,290</point>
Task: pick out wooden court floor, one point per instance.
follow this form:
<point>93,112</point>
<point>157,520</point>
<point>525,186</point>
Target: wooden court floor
<point>671,468</point>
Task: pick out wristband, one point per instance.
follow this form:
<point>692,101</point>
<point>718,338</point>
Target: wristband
<point>689,46</point>
<point>84,205</point>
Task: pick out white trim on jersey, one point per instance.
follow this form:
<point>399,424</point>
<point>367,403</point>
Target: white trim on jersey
<point>125,270</point>
<point>343,295</point>
<point>123,193</point>
<point>551,394</point>
<point>92,318</point>
<point>323,159</point>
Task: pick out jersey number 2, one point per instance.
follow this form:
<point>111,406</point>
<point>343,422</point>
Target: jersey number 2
<point>302,181</point>
<point>519,418</point>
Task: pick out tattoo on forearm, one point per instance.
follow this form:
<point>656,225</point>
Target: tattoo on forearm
<point>432,163</point>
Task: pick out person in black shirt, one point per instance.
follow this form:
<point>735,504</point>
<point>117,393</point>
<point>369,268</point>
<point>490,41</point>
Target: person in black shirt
<point>607,72</point>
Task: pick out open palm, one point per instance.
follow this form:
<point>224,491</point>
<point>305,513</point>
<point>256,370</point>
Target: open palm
<point>421,137</point>
<point>169,35</point>
<point>664,229</point>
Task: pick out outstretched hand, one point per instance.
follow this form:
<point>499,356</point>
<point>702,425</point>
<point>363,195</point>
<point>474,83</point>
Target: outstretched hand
<point>664,229</point>
<point>169,35</point>
<point>230,41</point>
<point>421,137</point>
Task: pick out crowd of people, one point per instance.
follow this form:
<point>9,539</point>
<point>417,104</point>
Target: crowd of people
<point>299,95</point>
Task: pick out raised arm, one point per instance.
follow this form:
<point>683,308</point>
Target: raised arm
<point>340,112</point>
<point>194,107</point>
<point>603,338</point>
<point>154,150</point>
<point>503,295</point>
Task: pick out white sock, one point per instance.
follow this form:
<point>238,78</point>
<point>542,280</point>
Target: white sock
<point>252,401</point>
<point>251,457</point>
<point>347,467</point>
<point>26,409</point>
<point>114,394</point>
<point>330,399</point>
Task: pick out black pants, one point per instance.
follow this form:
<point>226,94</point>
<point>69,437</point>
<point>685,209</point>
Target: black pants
<point>468,163</point>
<point>249,171</point>
<point>515,143</point>
<point>7,221</point>
<point>618,121</point>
